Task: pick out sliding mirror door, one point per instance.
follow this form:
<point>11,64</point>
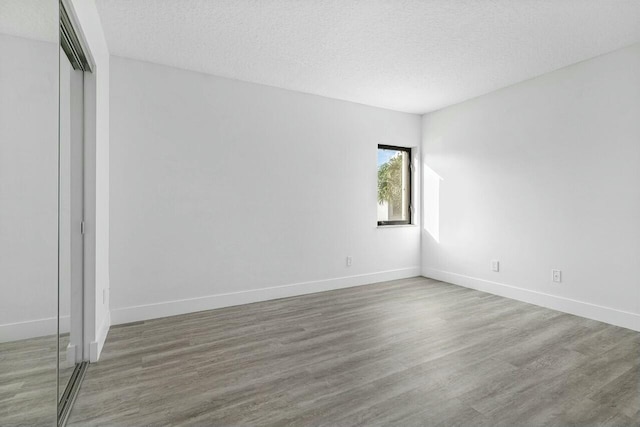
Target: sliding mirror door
<point>71,229</point>
<point>29,46</point>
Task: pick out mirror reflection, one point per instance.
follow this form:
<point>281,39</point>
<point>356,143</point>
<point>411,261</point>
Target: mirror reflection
<point>41,242</point>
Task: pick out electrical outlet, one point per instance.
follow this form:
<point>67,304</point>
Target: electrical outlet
<point>349,261</point>
<point>495,265</point>
<point>556,276</point>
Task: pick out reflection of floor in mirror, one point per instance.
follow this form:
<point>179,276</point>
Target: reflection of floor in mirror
<point>28,381</point>
<point>65,369</point>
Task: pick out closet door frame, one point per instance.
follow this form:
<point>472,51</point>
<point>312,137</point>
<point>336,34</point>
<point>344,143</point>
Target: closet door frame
<point>81,167</point>
<point>73,42</point>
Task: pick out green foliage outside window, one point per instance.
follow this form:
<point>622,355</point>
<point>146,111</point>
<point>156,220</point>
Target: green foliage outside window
<point>390,181</point>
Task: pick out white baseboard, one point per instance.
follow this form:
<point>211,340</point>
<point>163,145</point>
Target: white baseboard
<point>72,355</point>
<point>33,328</point>
<point>95,347</point>
<point>209,302</point>
<point>583,309</point>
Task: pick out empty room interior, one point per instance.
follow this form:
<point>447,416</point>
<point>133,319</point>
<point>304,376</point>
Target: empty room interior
<point>319,213</point>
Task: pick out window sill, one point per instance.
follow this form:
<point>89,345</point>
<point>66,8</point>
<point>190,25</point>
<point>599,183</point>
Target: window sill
<point>397,226</point>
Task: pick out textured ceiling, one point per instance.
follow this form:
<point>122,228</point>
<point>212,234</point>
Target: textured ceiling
<point>406,55</point>
<point>31,19</point>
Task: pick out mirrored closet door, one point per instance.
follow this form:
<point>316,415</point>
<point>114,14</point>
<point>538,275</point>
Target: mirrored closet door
<point>42,353</point>
<point>29,55</point>
<point>71,348</point>
<point>70,269</point>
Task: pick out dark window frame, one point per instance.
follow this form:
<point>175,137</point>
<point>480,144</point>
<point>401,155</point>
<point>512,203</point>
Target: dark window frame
<point>409,187</point>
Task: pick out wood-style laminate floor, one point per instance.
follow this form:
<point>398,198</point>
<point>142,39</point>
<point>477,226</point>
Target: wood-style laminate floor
<point>407,352</point>
<point>28,382</point>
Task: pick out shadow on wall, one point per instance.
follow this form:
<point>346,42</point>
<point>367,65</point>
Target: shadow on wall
<point>431,197</point>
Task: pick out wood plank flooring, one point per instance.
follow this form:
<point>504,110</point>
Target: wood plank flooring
<point>28,382</point>
<point>407,352</point>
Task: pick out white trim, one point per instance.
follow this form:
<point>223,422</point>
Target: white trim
<point>72,355</point>
<point>89,201</point>
<point>33,328</point>
<point>95,347</point>
<point>209,302</point>
<point>613,316</point>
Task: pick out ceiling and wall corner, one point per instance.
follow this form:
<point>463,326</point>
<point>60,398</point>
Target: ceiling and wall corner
<point>28,19</point>
<point>407,55</point>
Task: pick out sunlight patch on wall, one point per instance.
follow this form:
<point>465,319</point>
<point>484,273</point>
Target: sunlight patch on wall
<point>431,197</point>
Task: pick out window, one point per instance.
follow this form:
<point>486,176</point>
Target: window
<point>394,185</point>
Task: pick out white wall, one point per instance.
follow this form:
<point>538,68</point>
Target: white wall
<point>28,188</point>
<point>96,262</point>
<point>220,189</point>
<point>540,175</point>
